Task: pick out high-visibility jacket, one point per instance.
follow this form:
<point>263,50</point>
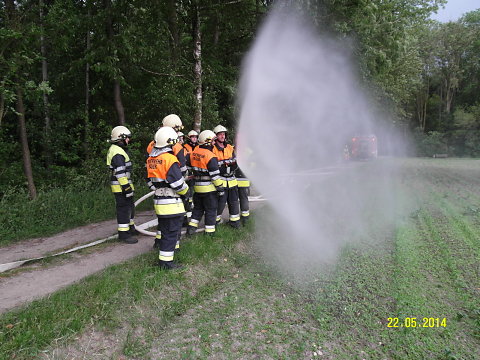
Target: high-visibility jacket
<point>120,165</point>
<point>241,178</point>
<point>204,165</point>
<point>227,162</point>
<point>163,172</point>
<point>188,146</point>
<point>177,151</point>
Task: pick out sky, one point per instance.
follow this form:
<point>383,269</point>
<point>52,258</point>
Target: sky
<point>454,9</point>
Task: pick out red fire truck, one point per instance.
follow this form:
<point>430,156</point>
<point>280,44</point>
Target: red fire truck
<point>363,147</point>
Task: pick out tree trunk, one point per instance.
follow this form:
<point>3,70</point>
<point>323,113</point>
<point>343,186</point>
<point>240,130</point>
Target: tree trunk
<point>2,107</point>
<point>197,54</point>
<point>117,97</point>
<point>27,164</point>
<point>43,50</point>
<point>173,28</point>
<point>216,34</point>
<point>118,102</point>
<point>86,115</point>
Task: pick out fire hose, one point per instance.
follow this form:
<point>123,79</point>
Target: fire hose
<point>142,228</point>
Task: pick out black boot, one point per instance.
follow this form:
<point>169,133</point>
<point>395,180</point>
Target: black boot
<point>133,231</point>
<point>127,238</point>
<point>244,220</point>
<point>169,265</point>
<point>191,230</point>
<point>156,245</point>
<point>234,224</point>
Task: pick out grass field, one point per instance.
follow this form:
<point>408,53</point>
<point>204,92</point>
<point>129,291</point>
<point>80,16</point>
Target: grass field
<point>406,291</point>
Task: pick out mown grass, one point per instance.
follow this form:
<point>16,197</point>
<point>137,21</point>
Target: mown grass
<point>229,304</point>
<point>97,299</point>
<point>53,211</point>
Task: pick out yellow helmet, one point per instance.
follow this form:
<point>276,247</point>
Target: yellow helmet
<point>219,128</point>
<point>165,136</point>
<point>119,133</point>
<point>173,121</point>
<point>206,137</point>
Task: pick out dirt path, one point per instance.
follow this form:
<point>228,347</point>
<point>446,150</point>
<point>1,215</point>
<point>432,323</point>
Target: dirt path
<point>35,281</point>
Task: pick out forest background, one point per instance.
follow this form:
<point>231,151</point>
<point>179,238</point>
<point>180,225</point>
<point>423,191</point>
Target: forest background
<point>72,70</point>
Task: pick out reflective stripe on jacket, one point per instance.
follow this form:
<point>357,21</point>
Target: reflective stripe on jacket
<point>163,172</point>
<point>120,165</point>
<point>204,165</point>
<point>241,178</point>
<point>227,163</point>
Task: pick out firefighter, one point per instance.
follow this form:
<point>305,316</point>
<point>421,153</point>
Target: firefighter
<point>208,185</point>
<point>173,121</point>
<point>243,194</point>
<point>120,165</point>
<point>191,141</point>
<point>180,137</point>
<point>227,163</point>
<point>163,171</point>
<point>189,145</point>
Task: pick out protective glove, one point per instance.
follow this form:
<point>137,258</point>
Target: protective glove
<point>220,191</point>
<point>185,198</point>
<point>127,190</point>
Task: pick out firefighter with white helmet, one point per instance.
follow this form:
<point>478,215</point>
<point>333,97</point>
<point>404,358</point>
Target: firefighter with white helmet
<point>189,145</point>
<point>208,185</point>
<point>172,121</point>
<point>227,162</point>
<point>191,141</point>
<point>165,177</point>
<point>120,166</point>
<point>180,137</point>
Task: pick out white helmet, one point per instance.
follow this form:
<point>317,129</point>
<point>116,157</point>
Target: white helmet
<point>206,137</point>
<point>192,133</point>
<point>165,136</point>
<point>179,133</point>
<point>119,133</point>
<point>172,121</point>
<point>219,128</point>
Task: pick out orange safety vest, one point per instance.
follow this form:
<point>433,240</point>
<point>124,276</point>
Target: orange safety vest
<point>199,160</point>
<point>176,148</point>
<point>188,148</point>
<point>166,201</point>
<point>225,154</point>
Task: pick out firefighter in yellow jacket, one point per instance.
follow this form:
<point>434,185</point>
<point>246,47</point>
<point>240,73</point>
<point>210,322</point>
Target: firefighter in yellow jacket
<point>227,162</point>
<point>208,185</point>
<point>164,174</point>
<point>120,166</point>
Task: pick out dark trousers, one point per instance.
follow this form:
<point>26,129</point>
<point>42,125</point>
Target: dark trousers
<point>205,203</point>
<point>243,193</point>
<point>231,198</point>
<point>125,207</point>
<point>170,228</point>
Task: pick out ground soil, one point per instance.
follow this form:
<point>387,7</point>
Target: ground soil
<point>33,281</point>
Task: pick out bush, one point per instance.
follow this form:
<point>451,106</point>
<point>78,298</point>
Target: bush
<point>431,143</point>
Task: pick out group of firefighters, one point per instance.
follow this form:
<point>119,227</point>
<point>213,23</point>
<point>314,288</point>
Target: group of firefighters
<point>198,177</point>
